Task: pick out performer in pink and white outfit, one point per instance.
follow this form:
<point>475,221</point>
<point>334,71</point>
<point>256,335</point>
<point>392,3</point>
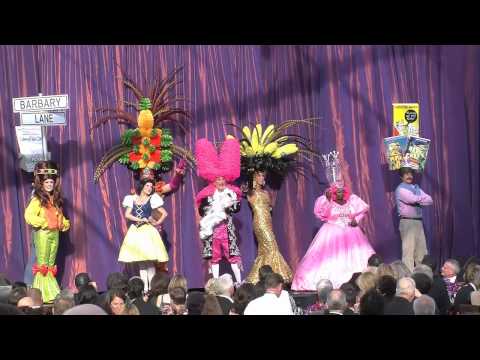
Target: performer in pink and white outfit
<point>217,202</point>
<point>340,247</point>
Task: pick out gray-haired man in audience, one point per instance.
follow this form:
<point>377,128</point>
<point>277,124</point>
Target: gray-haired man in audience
<point>424,305</point>
<point>63,302</point>
<point>324,287</point>
<point>449,271</point>
<point>423,269</point>
<point>226,289</point>
<point>336,302</point>
<point>401,304</point>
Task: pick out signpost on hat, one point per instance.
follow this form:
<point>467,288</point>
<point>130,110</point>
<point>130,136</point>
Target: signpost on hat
<point>37,111</point>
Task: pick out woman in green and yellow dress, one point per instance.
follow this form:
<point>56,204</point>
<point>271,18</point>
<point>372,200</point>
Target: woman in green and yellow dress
<point>44,213</point>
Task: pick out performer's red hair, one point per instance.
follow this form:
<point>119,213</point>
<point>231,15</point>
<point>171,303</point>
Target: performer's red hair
<point>334,188</point>
<point>212,165</point>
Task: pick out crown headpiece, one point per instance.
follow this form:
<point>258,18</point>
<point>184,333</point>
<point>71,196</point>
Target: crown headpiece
<point>333,170</point>
<point>46,172</point>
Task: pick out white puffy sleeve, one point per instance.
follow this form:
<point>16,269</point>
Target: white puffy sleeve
<point>156,201</point>
<point>128,201</point>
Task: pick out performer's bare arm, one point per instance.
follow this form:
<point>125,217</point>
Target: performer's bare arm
<point>166,189</point>
<point>197,216</point>
<point>328,194</point>
<point>163,216</point>
<point>179,172</point>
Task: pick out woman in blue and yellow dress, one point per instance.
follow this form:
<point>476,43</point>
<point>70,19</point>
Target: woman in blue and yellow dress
<point>143,243</point>
<point>44,213</point>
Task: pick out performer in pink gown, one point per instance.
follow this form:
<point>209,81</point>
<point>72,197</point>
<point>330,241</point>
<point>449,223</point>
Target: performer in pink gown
<point>340,247</point>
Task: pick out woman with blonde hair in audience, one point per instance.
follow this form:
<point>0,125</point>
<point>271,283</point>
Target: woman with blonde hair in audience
<point>178,297</point>
<point>212,287</point>
<point>208,285</point>
<point>178,281</point>
<point>366,281</point>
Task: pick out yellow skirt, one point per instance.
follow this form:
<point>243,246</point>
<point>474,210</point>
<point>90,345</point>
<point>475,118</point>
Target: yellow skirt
<point>142,244</point>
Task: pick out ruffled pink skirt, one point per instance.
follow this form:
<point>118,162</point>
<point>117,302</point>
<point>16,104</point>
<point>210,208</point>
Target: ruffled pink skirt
<point>335,253</point>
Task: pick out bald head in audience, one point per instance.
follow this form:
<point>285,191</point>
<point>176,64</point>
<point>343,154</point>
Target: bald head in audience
<point>36,296</point>
<point>406,288</point>
<point>336,301</point>
<point>324,286</point>
<point>424,305</point>
<point>25,302</point>
<point>63,301</point>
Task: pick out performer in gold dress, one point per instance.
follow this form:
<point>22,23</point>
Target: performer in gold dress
<point>274,153</point>
<point>268,252</point>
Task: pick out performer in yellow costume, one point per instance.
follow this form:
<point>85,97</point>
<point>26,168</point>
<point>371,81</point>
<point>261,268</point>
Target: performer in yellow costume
<point>44,213</point>
<point>147,149</point>
<point>143,243</point>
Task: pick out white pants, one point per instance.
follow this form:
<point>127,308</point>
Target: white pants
<point>414,244</point>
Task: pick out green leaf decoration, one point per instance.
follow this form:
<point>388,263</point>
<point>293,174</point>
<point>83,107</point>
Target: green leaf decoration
<point>145,104</point>
<point>154,132</point>
<point>151,148</point>
<point>136,149</point>
<point>145,157</point>
<point>127,137</point>
<point>167,140</point>
<point>167,155</point>
<point>124,159</point>
<point>146,141</point>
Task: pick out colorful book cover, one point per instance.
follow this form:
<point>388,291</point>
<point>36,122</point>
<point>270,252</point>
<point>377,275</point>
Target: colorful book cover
<point>417,152</point>
<point>395,148</point>
<point>406,119</point>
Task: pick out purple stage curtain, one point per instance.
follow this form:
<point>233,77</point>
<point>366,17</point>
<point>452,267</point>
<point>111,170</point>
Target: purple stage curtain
<point>351,88</point>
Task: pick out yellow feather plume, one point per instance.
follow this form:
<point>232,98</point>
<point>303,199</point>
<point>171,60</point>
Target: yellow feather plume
<point>270,148</point>
<point>267,134</point>
<point>284,150</point>
<point>246,132</point>
<point>256,138</point>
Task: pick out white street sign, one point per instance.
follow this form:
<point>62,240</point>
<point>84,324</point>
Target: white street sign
<point>29,139</point>
<point>43,118</point>
<point>40,103</point>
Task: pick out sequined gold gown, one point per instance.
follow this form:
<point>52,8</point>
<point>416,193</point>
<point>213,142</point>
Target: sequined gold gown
<point>268,252</point>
